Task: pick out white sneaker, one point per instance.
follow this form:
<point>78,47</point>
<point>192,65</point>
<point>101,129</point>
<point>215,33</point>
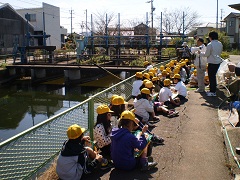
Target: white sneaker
<point>199,90</point>
<point>211,94</point>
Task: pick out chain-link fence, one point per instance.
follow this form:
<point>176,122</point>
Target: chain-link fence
<point>24,154</point>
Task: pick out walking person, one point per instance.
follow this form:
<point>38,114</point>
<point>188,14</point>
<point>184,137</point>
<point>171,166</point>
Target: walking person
<point>201,65</point>
<point>213,52</point>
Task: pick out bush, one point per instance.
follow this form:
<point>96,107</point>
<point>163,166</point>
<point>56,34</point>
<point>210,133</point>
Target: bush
<point>235,52</point>
<point>225,55</point>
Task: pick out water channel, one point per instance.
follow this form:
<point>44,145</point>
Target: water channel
<point>23,105</point>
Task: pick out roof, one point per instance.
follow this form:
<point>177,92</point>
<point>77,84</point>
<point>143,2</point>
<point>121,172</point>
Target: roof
<point>11,8</point>
<point>235,6</point>
<point>232,14</point>
<point>207,25</point>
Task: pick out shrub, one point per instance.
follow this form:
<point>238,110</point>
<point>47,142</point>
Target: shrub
<point>235,52</point>
<point>225,55</point>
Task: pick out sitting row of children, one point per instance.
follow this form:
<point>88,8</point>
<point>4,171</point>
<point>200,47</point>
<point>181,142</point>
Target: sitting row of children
<point>157,102</point>
<point>119,144</point>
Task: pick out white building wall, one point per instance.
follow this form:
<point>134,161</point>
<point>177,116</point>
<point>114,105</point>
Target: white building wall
<point>38,24</point>
<point>52,22</point>
<point>52,25</point>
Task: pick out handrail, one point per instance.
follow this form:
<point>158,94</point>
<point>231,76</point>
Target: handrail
<point>24,154</point>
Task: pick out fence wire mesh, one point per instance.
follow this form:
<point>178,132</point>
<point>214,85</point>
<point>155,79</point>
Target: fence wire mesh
<point>26,153</point>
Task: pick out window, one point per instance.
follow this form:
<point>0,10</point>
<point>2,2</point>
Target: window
<point>31,17</point>
<point>230,23</point>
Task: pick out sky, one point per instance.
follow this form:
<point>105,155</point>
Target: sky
<point>128,9</point>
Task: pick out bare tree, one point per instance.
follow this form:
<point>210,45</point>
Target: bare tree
<point>173,20</point>
<point>102,21</point>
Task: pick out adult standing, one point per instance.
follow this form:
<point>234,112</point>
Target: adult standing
<point>201,64</point>
<point>213,52</point>
<point>185,51</point>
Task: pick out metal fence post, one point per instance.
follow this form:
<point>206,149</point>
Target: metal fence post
<point>91,117</point>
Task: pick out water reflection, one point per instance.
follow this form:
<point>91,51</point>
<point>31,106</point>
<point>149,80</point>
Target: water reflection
<point>23,106</point>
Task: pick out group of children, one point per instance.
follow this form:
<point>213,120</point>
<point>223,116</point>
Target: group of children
<point>115,140</point>
<point>122,136</point>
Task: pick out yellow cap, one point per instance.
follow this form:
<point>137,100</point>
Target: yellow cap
<point>101,109</point>
<point>146,75</point>
<point>166,82</point>
<point>177,76</point>
<point>195,72</point>
<point>161,67</point>
<point>151,70</point>
<point>139,74</point>
<point>129,115</point>
<point>145,91</point>
<point>164,72</point>
<point>154,79</point>
<point>74,131</point>
<point>113,96</point>
<point>151,74</point>
<point>145,80</point>
<point>145,63</point>
<point>168,69</point>
<point>183,63</point>
<point>118,100</point>
<point>149,84</point>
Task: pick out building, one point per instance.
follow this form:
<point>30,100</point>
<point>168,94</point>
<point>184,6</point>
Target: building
<point>232,28</point>
<point>46,18</point>
<point>13,29</point>
<point>205,29</point>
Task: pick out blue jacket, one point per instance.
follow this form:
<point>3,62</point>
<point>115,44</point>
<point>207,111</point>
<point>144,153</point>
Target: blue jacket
<point>122,148</point>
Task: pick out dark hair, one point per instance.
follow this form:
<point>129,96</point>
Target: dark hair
<point>77,140</point>
<point>102,119</point>
<point>142,96</point>
<point>201,40</point>
<point>124,123</point>
<point>213,35</point>
<point>118,109</point>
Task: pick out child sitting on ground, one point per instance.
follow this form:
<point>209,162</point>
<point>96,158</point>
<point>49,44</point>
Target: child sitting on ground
<point>137,84</point>
<point>165,95</point>
<point>118,106</point>
<point>193,81</point>
<point>179,88</point>
<point>144,107</point>
<point>102,130</point>
<point>124,143</point>
<point>75,159</point>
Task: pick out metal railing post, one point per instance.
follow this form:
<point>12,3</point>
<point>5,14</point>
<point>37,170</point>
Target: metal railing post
<point>91,117</point>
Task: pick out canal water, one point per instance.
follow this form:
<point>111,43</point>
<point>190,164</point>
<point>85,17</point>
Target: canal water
<point>23,105</point>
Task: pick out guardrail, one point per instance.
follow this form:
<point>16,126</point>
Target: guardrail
<point>24,154</point>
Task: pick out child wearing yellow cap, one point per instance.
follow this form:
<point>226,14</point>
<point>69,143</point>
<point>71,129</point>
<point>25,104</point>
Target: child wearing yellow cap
<point>193,80</point>
<point>102,130</point>
<point>179,88</point>
<point>137,84</point>
<point>75,159</point>
<point>165,94</point>
<point>124,144</point>
<point>144,107</point>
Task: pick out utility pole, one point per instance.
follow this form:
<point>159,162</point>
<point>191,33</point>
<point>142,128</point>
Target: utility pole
<point>82,26</point>
<point>152,9</point>
<point>71,11</point>
<point>217,17</point>
<point>221,16</point>
<point>86,23</point>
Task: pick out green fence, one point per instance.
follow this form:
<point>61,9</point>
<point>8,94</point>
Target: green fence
<point>24,154</point>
